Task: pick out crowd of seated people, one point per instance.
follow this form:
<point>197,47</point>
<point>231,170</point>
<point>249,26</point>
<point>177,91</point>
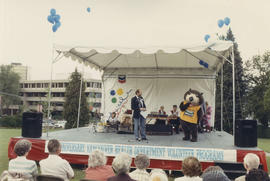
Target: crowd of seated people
<point>23,169</point>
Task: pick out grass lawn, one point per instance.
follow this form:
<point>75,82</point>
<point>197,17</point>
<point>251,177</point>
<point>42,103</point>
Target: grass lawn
<point>264,144</point>
<point>6,133</point>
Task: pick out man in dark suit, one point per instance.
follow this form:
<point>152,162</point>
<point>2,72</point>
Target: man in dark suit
<point>138,106</point>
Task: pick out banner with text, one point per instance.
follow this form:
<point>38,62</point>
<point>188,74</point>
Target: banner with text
<point>154,152</point>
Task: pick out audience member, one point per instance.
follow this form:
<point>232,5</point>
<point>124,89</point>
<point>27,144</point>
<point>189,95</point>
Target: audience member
<point>97,168</point>
<point>21,167</point>
<point>142,162</point>
<point>158,175</point>
<point>214,173</point>
<point>257,175</point>
<point>191,169</point>
<point>121,165</point>
<point>251,161</point>
<point>54,165</point>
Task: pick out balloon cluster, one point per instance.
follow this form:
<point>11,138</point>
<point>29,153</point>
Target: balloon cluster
<point>203,63</point>
<point>226,21</point>
<point>54,19</point>
<point>88,9</point>
<point>220,23</point>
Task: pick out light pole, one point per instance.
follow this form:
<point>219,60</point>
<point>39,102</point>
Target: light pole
<point>54,60</point>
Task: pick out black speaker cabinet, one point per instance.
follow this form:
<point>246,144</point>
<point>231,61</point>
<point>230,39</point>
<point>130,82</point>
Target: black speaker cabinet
<point>158,129</point>
<point>245,133</point>
<point>32,125</point>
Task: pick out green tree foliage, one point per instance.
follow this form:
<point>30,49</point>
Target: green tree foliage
<point>72,102</point>
<point>9,88</point>
<point>240,92</point>
<point>258,74</point>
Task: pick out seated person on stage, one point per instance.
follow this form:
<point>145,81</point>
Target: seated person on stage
<point>174,119</point>
<point>161,111</point>
<point>113,121</point>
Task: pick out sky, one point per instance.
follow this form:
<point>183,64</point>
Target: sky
<point>26,35</point>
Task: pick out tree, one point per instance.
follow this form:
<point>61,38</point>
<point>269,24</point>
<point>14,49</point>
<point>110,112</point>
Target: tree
<point>71,104</point>
<point>258,74</point>
<point>240,84</point>
<point>9,88</point>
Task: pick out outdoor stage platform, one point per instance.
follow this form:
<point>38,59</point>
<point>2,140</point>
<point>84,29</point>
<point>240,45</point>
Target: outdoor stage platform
<point>165,151</point>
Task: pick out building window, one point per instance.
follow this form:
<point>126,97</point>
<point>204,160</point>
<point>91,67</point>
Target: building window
<point>25,85</point>
<point>98,95</point>
<point>21,85</point>
<point>38,85</point>
<point>46,85</point>
<point>60,85</point>
<point>33,85</point>
<point>92,94</point>
<point>91,84</point>
<point>97,104</point>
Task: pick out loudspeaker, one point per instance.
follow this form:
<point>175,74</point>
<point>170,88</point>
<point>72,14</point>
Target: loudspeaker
<point>32,125</point>
<point>245,133</point>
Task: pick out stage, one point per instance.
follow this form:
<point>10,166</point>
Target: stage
<point>165,151</point>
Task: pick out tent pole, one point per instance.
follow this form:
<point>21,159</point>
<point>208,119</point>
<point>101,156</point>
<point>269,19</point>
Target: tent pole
<point>103,94</point>
<point>79,107</point>
<point>221,99</point>
<point>233,72</point>
<point>49,98</point>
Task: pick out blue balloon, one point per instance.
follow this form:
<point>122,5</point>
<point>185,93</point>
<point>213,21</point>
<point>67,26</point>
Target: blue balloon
<point>206,37</point>
<point>88,10</point>
<point>54,28</point>
<point>227,21</point>
<point>112,92</point>
<point>53,11</point>
<point>58,24</point>
<point>220,23</point>
<point>56,18</point>
<point>50,19</point>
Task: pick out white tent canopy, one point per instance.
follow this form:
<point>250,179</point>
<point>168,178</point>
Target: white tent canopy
<point>163,73</point>
<point>157,57</point>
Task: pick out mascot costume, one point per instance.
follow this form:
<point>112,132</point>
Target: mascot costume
<point>191,114</point>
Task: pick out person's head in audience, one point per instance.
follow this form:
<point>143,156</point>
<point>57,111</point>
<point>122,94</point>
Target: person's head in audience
<point>257,175</point>
<point>191,167</point>
<point>22,147</point>
<point>142,161</point>
<point>97,159</point>
<point>158,175</point>
<point>251,161</point>
<point>54,147</point>
<point>121,163</point>
<point>214,173</point>
<point>174,108</point>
